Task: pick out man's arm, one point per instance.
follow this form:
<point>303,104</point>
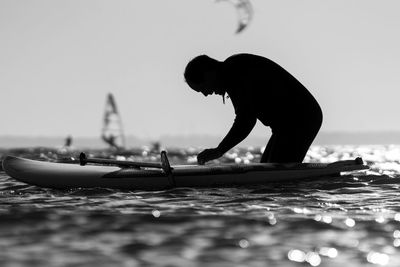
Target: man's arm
<point>240,129</point>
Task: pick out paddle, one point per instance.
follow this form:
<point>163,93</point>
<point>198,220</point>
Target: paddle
<point>164,165</point>
<point>83,160</point>
<point>167,168</point>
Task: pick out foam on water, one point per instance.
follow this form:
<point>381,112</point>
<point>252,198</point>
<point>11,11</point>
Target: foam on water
<point>352,220</point>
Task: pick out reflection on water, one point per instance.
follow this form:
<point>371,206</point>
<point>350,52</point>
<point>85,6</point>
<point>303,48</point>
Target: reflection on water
<point>353,220</point>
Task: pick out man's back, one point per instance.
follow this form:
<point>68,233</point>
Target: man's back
<point>259,87</point>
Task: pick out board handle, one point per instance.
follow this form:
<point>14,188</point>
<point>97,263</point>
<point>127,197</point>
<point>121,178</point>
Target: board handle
<point>356,161</point>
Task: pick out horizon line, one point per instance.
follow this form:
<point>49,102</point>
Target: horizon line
<point>192,134</point>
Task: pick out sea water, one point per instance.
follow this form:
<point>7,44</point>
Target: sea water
<point>353,220</point>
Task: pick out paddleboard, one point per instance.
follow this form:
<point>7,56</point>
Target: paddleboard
<point>65,175</point>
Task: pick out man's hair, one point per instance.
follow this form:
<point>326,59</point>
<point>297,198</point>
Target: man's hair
<point>197,67</point>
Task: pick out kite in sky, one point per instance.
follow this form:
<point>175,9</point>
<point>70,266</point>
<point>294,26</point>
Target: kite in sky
<point>244,11</point>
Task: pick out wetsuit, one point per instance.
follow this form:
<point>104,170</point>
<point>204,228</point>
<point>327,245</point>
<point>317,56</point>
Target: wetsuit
<point>261,89</point>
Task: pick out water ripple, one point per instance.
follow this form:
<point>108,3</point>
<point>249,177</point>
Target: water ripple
<point>349,220</point>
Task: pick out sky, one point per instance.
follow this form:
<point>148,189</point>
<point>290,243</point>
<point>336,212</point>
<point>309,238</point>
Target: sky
<point>60,58</point>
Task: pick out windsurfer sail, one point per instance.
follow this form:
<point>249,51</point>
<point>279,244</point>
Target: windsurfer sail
<point>244,11</point>
<point>112,132</point>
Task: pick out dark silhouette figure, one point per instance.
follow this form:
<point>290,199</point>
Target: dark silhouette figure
<point>259,89</point>
<point>68,141</point>
<point>156,147</point>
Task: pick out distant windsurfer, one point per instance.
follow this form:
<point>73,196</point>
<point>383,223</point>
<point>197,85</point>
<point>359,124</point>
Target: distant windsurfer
<point>68,141</point>
<point>112,132</point>
<point>259,89</point>
<point>110,140</point>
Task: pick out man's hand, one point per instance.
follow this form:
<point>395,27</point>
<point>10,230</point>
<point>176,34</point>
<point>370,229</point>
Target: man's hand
<point>207,155</point>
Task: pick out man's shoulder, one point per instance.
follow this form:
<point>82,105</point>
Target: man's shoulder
<point>244,57</point>
<point>240,56</point>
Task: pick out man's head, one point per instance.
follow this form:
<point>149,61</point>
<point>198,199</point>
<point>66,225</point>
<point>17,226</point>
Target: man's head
<point>201,75</point>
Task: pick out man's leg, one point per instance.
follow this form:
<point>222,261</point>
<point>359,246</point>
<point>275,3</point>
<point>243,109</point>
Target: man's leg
<point>268,149</point>
<point>289,145</point>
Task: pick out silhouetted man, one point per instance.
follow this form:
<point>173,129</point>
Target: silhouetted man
<point>259,89</point>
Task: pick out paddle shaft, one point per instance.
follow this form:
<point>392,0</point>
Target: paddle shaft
<point>84,160</point>
<point>164,165</point>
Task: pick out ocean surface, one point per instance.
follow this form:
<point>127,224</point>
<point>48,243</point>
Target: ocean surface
<point>353,220</point>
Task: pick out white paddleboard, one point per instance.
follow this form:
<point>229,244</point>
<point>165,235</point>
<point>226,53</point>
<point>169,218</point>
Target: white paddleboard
<point>64,176</point>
